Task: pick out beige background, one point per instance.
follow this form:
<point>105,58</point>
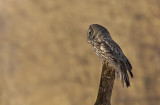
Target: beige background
<point>45,58</point>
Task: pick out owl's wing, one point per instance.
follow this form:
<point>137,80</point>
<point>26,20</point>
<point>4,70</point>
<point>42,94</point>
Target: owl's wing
<point>111,47</point>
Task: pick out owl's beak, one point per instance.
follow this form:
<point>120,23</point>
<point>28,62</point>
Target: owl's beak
<point>90,42</point>
<point>88,39</point>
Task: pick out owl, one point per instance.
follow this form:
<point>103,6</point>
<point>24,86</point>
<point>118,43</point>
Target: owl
<point>109,51</point>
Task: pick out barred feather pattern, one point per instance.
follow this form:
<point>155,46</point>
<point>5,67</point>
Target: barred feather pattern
<point>109,51</point>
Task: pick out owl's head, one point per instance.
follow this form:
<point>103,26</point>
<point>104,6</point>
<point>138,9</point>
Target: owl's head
<point>97,32</point>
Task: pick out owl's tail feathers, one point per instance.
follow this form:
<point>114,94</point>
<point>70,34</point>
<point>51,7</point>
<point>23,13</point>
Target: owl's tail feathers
<point>125,75</point>
<point>129,67</point>
<point>126,78</point>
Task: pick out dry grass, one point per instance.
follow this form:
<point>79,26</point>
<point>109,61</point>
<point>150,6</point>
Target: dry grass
<point>45,58</point>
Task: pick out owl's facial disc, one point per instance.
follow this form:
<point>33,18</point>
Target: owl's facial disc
<point>90,36</point>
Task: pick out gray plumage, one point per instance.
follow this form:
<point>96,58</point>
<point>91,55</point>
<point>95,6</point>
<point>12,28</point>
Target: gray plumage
<point>109,51</point>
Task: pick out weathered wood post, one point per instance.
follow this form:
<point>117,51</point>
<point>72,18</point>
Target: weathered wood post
<point>106,85</point>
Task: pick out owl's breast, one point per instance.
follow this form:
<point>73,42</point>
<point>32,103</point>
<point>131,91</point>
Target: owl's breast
<point>99,52</point>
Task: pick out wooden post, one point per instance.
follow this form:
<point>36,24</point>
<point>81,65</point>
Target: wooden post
<point>106,85</point>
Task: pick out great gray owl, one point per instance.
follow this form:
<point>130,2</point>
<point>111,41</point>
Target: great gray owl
<point>109,51</point>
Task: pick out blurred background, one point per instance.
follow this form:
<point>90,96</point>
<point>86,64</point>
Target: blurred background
<point>45,58</point>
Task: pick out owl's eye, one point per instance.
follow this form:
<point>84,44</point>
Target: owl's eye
<point>90,33</point>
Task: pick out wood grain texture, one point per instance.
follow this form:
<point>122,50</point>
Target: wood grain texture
<point>106,85</point>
